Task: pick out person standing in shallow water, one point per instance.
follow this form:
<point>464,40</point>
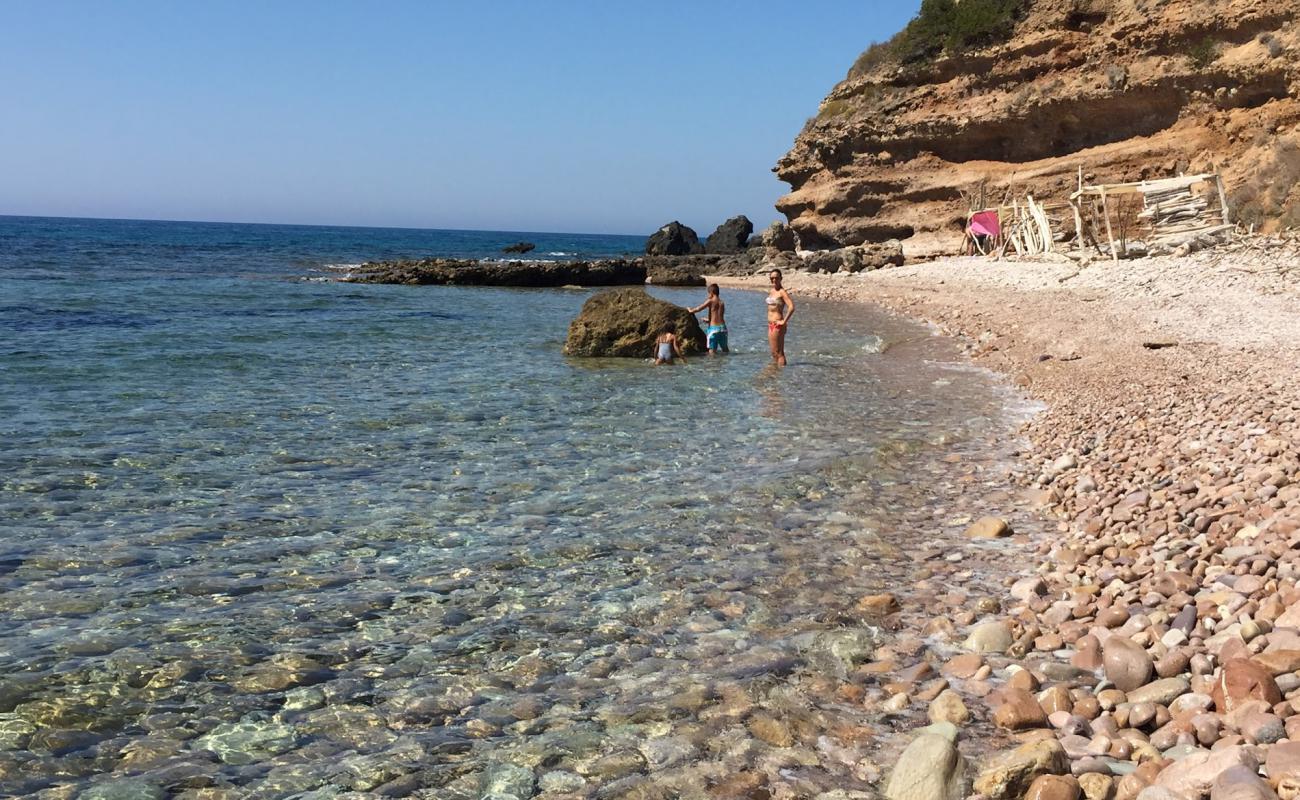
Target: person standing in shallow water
<point>716,332</point>
<point>780,307</point>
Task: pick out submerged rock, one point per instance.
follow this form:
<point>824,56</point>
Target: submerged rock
<point>625,323</point>
<point>838,652</point>
<point>124,789</point>
<point>509,780</point>
<point>988,528</point>
<point>242,743</point>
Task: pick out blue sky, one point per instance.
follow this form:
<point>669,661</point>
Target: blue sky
<point>557,115</point>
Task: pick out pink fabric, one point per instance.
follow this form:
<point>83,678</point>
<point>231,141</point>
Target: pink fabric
<point>984,223</point>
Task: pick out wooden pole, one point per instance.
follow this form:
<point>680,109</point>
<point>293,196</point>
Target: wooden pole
<point>1078,217</point>
<point>1110,235</point>
<point>1223,199</point>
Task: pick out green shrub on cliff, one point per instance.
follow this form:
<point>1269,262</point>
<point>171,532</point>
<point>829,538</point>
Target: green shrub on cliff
<point>1203,53</point>
<point>943,26</point>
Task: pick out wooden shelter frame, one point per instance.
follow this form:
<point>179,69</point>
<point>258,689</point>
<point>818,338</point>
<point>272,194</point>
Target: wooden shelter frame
<point>1167,211</point>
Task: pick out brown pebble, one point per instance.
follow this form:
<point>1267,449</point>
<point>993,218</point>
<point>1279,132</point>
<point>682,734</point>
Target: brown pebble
<point>964,665</point>
<point>1053,787</point>
<point>1018,711</point>
<point>1242,680</point>
<point>877,605</point>
<point>1057,698</point>
<point>1023,679</point>
<point>1096,786</point>
<point>1087,707</point>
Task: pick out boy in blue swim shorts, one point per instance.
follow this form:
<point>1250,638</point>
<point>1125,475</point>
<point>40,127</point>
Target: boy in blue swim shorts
<point>716,331</point>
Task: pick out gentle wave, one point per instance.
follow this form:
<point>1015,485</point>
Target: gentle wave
<point>875,345</point>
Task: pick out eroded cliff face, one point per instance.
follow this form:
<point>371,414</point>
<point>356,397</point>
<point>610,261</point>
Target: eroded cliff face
<point>1124,89</point>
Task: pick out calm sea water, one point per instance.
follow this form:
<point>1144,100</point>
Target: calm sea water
<point>266,535</point>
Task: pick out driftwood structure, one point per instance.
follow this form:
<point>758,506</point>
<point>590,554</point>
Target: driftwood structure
<point>1150,216</point>
<point>1028,228</point>
<point>1162,214</point>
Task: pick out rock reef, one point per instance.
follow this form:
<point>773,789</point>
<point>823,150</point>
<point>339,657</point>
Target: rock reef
<point>457,272</point>
<point>656,270</point>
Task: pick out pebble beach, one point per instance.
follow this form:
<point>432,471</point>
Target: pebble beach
<point>1145,640</point>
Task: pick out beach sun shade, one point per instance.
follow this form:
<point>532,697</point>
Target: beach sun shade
<point>984,223</point>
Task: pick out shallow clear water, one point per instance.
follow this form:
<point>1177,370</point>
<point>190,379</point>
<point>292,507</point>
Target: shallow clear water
<point>279,535</point>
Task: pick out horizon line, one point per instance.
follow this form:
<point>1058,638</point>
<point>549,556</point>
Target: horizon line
<point>315,225</point>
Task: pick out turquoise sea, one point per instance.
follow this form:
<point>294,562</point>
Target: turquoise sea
<point>263,534</point>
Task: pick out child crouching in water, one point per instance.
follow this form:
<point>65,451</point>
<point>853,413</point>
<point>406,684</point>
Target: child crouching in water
<point>666,346</point>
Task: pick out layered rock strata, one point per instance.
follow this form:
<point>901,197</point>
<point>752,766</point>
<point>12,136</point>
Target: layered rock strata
<point>1118,89</point>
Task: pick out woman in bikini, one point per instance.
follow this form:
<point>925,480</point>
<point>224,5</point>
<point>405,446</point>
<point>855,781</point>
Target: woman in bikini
<point>780,307</point>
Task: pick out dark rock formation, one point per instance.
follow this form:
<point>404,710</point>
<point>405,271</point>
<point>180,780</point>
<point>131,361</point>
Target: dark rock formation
<point>657,270</point>
<point>673,239</point>
<point>672,272</point>
<point>519,247</point>
<point>613,272</point>
<point>625,323</point>
<point>856,259</point>
<point>730,237</point>
<point>780,236</point>
<point>740,264</point>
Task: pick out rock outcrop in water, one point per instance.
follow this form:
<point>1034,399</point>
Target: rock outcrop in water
<point>731,236</point>
<point>657,270</point>
<point>453,272</point>
<point>673,273</point>
<point>673,239</point>
<point>1123,90</point>
<point>626,322</point>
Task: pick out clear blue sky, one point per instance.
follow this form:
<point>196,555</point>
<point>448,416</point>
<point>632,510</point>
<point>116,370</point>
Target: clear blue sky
<point>558,115</point>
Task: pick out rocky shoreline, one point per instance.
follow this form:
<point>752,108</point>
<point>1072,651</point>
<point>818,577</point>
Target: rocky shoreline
<point>1152,645</point>
<point>684,269</point>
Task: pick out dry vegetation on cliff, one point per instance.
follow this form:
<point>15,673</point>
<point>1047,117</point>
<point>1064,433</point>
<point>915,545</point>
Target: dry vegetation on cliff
<point>943,26</point>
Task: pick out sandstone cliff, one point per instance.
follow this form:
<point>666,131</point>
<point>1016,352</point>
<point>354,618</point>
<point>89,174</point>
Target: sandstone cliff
<point>1125,89</point>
